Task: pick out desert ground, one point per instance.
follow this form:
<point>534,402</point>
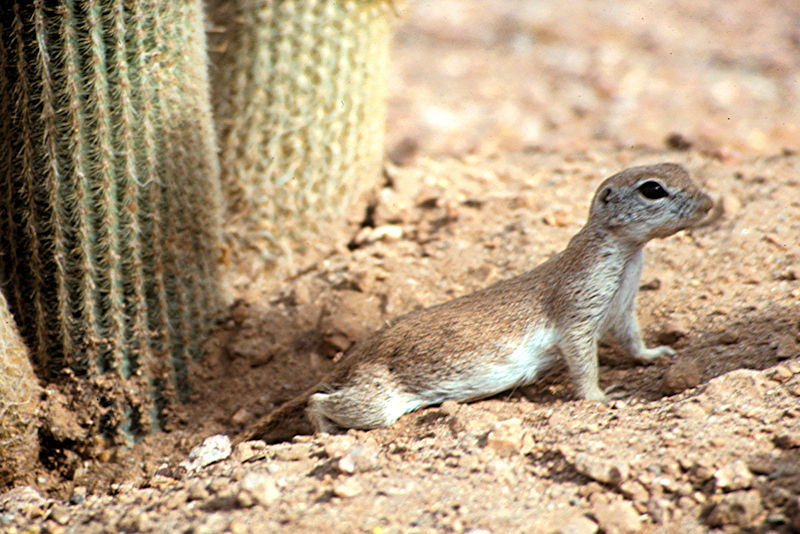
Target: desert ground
<point>504,116</point>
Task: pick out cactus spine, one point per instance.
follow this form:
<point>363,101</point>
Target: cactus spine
<point>109,195</point>
<point>299,91</point>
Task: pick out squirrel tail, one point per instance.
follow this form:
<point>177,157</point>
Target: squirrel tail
<point>282,424</point>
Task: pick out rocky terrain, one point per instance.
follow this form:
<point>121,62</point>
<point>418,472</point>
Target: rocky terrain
<point>503,120</point>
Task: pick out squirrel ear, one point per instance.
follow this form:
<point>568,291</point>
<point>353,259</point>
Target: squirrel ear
<point>606,195</point>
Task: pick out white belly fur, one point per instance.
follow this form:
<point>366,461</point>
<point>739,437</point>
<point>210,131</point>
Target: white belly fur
<point>525,362</point>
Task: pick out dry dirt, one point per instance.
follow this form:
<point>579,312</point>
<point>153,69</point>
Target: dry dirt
<point>504,117</point>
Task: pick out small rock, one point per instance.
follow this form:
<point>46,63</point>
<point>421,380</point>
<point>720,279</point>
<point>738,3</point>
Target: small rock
<point>747,383</point>
<point>728,337</point>
<point>346,488</point>
<point>213,449</point>
<point>701,473</point>
<point>78,495</point>
<point>252,349</point>
<point>239,311</point>
<point>678,141</point>
<point>739,508</point>
<point>508,437</point>
<point>729,205</point>
<point>659,509</point>
<point>567,522</point>
<point>58,419</point>
<point>20,498</point>
<point>176,499</point>
<point>781,373</point>
<point>601,469</point>
<point>336,342</point>
<point>670,333</point>
<point>241,417</point>
<point>449,408</point>
<point>257,488</point>
<point>387,232</point>
<point>689,410</point>
<point>788,440</point>
<point>682,374</point>
<point>198,490</point>
<point>634,491</point>
<point>761,463</point>
<point>292,452</point>
<point>652,285</point>
<point>793,513</point>
<point>360,458</point>
<point>337,445</point>
<point>787,348</point>
<point>559,217</point>
<point>59,514</point>
<point>617,517</point>
<point>733,476</point>
<point>249,450</point>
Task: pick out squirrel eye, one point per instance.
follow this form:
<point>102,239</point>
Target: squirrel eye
<point>652,190</point>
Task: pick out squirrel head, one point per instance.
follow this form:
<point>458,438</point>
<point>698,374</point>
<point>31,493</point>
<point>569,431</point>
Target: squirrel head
<point>649,201</point>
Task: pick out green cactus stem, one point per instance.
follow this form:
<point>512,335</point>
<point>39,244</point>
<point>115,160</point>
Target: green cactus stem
<point>109,196</point>
<point>299,91</point>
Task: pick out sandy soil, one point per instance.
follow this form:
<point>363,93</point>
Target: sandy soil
<point>504,117</point>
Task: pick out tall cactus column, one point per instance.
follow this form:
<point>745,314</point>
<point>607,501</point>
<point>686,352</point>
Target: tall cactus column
<point>300,97</point>
<point>109,197</point>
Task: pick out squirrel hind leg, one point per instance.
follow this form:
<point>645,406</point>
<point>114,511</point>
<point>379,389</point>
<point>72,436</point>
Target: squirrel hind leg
<point>340,410</point>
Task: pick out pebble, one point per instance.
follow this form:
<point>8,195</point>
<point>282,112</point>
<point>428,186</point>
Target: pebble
<point>738,508</point>
<point>347,487</point>
<point>292,452</point>
<point>249,450</point>
<point>747,383</point>
<point>508,438</point>
<point>788,440</point>
<point>559,217</point>
<point>213,449</point>
<point>359,458</point>
<point>659,509</point>
<point>78,495</point>
<point>59,514</point>
<point>670,333</point>
<point>762,463</point>
<point>733,476</point>
<point>787,348</point>
<point>338,445</point>
<point>634,491</point>
<point>567,522</point>
<point>617,517</point>
<point>728,337</point>
<point>601,469</point>
<point>781,373</point>
<point>241,417</point>
<point>682,374</point>
<point>387,232</point>
<point>689,410</point>
<point>20,498</point>
<point>793,513</point>
<point>257,488</point>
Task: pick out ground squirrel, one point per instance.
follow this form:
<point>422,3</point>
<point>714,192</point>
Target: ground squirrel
<point>508,334</point>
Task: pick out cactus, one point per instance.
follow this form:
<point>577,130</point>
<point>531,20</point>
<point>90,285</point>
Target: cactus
<point>18,399</point>
<point>299,91</point>
<point>109,197</point>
